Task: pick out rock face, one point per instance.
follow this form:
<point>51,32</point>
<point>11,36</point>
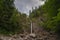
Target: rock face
<point>38,34</point>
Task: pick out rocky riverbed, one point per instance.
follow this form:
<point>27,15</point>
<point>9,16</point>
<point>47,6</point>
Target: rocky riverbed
<point>39,33</point>
<point>38,36</point>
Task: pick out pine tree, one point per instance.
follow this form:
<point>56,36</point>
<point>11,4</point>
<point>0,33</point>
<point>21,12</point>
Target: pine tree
<point>6,12</point>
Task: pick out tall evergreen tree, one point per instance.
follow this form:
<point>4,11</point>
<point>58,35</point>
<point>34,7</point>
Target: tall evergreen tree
<point>51,9</point>
<point>6,12</point>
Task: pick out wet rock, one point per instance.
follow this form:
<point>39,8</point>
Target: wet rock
<point>32,35</point>
<point>1,39</point>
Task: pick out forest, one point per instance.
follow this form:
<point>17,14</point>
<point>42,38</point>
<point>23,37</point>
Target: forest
<point>49,15</point>
<point>46,16</point>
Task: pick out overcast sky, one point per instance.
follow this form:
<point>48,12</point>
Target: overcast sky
<point>26,5</point>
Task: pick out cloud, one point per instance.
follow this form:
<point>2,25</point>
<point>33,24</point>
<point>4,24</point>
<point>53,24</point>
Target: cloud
<point>26,5</point>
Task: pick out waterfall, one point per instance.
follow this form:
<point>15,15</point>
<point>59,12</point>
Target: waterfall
<point>31,27</point>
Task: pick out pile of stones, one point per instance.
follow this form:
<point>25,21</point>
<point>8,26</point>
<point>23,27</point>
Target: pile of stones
<point>41,36</point>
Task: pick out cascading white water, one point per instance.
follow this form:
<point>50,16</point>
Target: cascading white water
<point>31,28</point>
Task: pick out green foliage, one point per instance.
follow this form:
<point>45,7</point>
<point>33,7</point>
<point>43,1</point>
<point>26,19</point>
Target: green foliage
<point>9,17</point>
<point>51,7</point>
<point>6,11</point>
<point>36,13</point>
<point>49,15</point>
<point>53,15</point>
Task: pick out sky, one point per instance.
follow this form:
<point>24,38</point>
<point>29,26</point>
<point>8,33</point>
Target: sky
<point>26,5</point>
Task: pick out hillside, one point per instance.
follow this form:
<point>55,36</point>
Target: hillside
<point>42,23</point>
